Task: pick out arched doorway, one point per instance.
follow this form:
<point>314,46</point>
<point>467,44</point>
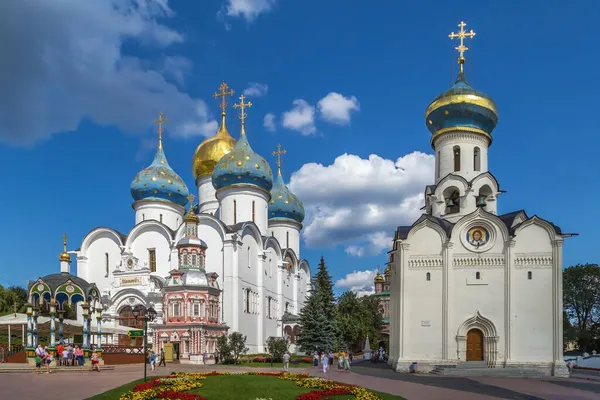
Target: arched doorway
<point>474,345</point>
<point>126,318</point>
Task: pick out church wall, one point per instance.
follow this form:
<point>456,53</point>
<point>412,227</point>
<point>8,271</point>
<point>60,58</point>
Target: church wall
<point>152,237</point>
<point>287,234</point>
<point>248,270</point>
<point>207,199</point>
<point>243,206</point>
<point>532,311</point>
<point>169,214</point>
<point>270,289</point>
<point>467,143</point>
<point>214,250</point>
<point>95,267</point>
<point>423,299</point>
<point>287,291</point>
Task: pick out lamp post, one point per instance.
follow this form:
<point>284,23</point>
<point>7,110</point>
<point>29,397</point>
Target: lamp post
<point>146,315</point>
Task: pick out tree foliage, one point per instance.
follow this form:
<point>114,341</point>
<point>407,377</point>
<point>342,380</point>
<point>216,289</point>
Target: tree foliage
<point>277,347</point>
<point>317,318</point>
<point>581,300</point>
<point>13,295</point>
<point>358,318</point>
<point>231,348</point>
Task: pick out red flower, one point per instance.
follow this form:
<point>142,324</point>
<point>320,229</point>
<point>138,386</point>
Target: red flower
<point>169,394</point>
<point>323,394</point>
<point>148,385</point>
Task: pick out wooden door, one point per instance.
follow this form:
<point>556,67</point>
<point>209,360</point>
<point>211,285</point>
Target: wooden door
<point>475,345</point>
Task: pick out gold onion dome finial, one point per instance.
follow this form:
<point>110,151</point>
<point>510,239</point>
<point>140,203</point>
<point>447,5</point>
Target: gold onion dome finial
<point>461,108</point>
<point>211,150</point>
<point>388,270</point>
<point>64,256</point>
<point>191,215</point>
<point>379,277</point>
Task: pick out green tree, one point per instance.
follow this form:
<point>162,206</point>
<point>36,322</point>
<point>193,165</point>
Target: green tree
<point>317,330</point>
<point>14,295</point>
<point>581,300</point>
<point>231,347</point>
<point>358,318</point>
<point>324,290</point>
<point>277,348</point>
<point>223,350</point>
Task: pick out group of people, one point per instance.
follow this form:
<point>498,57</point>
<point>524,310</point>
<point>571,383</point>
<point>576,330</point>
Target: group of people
<point>154,358</point>
<point>326,359</point>
<point>68,355</point>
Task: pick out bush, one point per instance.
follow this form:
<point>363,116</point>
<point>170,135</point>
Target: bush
<point>277,348</point>
<point>231,348</point>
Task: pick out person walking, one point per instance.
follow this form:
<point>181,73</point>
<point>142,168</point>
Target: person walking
<point>152,360</point>
<point>65,357</point>
<point>95,362</point>
<point>341,357</point>
<point>286,362</point>
<point>325,361</point>
<point>331,357</point>
<point>347,364</point>
<point>48,359</point>
<point>162,362</point>
<point>204,357</point>
<point>59,353</point>
<point>39,358</point>
<point>316,359</point>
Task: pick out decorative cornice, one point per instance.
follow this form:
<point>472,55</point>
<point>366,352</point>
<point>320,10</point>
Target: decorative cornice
<point>492,261</point>
<point>417,262</point>
<point>533,260</point>
<point>466,133</point>
<point>462,134</point>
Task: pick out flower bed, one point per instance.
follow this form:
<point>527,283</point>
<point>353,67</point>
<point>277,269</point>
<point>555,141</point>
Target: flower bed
<point>175,385</point>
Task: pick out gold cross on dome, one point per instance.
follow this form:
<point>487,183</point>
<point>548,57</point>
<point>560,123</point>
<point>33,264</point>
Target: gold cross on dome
<point>241,105</point>
<point>461,48</point>
<point>222,93</point>
<point>160,122</point>
<point>279,153</point>
<point>65,242</point>
<point>191,198</point>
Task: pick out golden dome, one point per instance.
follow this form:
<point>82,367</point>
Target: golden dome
<point>388,270</point>
<point>211,150</point>
<point>64,256</point>
<point>379,278</point>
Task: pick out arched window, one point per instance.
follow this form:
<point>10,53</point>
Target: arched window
<point>253,210</point>
<point>106,261</point>
<point>126,318</point>
<point>235,212</point>
<point>476,159</point>
<point>456,152</point>
<point>428,276</point>
<point>194,259</point>
<point>529,275</point>
<point>437,165</point>
<point>477,275</point>
<point>160,216</point>
<point>248,256</point>
<point>143,217</point>
<point>296,333</point>
<point>287,240</point>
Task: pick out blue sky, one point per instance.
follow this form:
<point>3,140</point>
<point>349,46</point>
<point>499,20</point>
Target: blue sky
<point>85,80</point>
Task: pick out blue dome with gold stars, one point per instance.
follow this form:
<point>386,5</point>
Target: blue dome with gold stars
<point>159,182</point>
<point>462,107</point>
<point>242,167</point>
<point>284,205</point>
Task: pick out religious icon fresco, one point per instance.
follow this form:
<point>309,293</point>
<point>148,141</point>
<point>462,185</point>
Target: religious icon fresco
<point>478,236</point>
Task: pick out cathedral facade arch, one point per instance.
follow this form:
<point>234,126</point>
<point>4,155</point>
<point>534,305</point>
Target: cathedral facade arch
<point>290,260</point>
<point>486,178</point>
<point>426,223</point>
<point>535,220</point>
<point>477,340</point>
<point>94,234</point>
<point>480,231</point>
<point>128,298</point>
<point>451,181</point>
<point>250,228</point>
<point>146,226</point>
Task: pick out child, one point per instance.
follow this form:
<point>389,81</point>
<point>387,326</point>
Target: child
<point>152,360</point>
<point>95,362</point>
<point>48,360</point>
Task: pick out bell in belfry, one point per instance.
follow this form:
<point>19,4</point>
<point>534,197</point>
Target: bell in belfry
<point>481,201</point>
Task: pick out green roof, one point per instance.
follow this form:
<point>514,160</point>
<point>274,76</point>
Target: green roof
<point>384,293</point>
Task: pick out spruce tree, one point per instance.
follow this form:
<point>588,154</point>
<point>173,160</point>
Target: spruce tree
<point>324,290</point>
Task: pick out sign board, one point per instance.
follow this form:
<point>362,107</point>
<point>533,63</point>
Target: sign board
<point>131,281</point>
<point>135,333</point>
<point>425,323</point>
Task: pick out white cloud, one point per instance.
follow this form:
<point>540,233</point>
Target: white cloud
<point>248,9</point>
<point>269,122</point>
<point>336,108</point>
<point>360,282</point>
<point>68,64</point>
<point>355,251</point>
<point>300,118</point>
<point>256,89</point>
<point>360,202</point>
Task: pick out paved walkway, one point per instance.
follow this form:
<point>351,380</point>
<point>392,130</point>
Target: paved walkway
<point>81,385</point>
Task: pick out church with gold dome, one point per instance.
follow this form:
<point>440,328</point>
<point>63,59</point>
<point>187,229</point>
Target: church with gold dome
<point>472,289</point>
<point>249,225</point>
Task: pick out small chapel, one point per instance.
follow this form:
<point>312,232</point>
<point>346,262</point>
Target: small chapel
<point>469,287</point>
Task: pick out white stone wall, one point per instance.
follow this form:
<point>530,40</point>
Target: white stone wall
<point>521,318</point>
<point>466,142</point>
<point>287,234</point>
<point>168,213</point>
<point>243,198</point>
<point>207,199</point>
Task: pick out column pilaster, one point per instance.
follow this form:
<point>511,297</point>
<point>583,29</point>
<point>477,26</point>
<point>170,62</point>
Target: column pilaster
<point>509,264</point>
<point>446,267</point>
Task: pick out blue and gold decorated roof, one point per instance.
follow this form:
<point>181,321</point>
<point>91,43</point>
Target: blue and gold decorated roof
<point>462,107</point>
<point>242,166</point>
<point>159,181</point>
<point>284,205</point>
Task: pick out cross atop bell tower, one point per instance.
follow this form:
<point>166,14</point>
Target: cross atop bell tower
<point>461,48</point>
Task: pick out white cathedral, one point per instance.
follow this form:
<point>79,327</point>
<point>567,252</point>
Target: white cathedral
<point>249,221</point>
<point>470,287</point>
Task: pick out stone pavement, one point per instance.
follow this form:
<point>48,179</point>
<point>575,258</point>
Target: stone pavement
<point>81,385</point>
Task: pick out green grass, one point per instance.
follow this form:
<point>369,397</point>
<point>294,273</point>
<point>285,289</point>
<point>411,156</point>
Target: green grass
<point>238,387</point>
<point>268,365</point>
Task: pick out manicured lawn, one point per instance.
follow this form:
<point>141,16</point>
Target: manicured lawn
<point>268,365</point>
<point>239,387</point>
